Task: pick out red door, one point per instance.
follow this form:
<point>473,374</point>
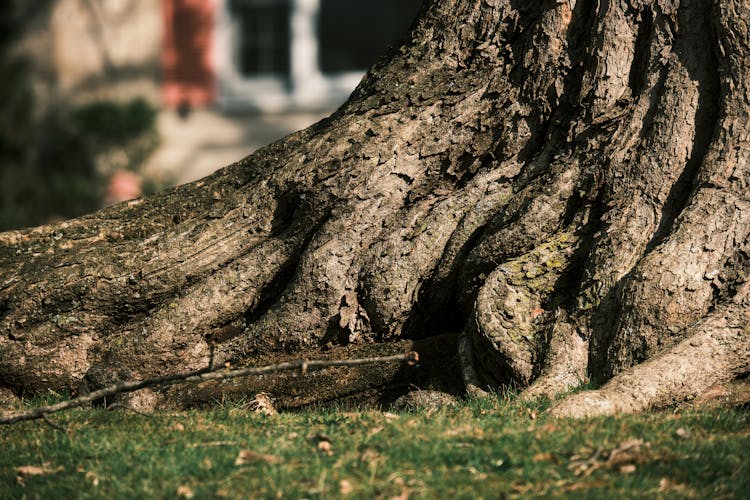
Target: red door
<point>187,62</point>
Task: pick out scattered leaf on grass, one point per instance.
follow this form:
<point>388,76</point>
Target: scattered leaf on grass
<point>185,491</point>
<point>474,472</point>
<point>371,457</point>
<point>628,452</point>
<point>248,456</point>
<point>623,458</point>
<point>542,457</point>
<point>93,477</point>
<point>37,470</point>
<point>580,464</point>
<point>324,443</point>
<point>682,433</point>
<point>25,471</point>
<point>345,487</point>
<point>399,482</point>
<point>263,404</point>
<point>667,485</point>
<point>325,447</point>
<point>521,488</point>
<point>374,430</point>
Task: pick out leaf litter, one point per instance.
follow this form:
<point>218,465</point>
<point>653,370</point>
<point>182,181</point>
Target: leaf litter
<point>624,458</point>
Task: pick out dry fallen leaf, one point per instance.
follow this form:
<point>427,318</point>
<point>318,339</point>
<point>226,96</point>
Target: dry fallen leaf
<point>667,485</point>
<point>369,456</point>
<point>521,488</point>
<point>624,458</point>
<point>25,471</point>
<point>399,482</point>
<point>474,472</point>
<point>345,487</point>
<point>245,457</point>
<point>93,477</point>
<point>374,430</point>
<point>627,452</point>
<point>627,468</point>
<point>325,447</point>
<point>33,470</point>
<point>682,433</point>
<point>185,491</point>
<point>263,404</point>
<point>542,457</point>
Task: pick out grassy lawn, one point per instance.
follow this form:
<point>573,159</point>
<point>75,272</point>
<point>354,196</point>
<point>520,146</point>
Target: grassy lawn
<point>481,449</point>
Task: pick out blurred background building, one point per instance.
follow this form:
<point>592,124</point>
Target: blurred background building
<point>140,94</point>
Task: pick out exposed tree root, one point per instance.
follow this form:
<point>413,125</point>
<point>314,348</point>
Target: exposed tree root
<point>717,351</point>
<point>565,183</point>
<point>208,374</point>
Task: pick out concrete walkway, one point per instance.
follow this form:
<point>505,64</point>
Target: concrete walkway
<point>207,140</point>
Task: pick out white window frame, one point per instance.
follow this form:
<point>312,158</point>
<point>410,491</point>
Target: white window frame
<point>306,87</point>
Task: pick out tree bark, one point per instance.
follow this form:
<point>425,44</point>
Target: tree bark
<point>542,192</point>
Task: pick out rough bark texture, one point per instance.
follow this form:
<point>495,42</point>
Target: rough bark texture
<point>562,185</point>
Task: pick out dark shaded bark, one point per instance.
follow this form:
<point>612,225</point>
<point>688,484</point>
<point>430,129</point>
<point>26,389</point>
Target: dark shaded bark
<point>563,183</point>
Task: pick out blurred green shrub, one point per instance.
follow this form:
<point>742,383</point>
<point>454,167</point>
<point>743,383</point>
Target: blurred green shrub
<point>54,164</point>
<point>116,121</point>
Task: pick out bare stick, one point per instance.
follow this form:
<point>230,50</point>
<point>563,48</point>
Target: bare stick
<point>203,375</point>
<point>55,426</point>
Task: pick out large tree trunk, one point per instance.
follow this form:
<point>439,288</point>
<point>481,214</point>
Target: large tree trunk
<point>562,185</point>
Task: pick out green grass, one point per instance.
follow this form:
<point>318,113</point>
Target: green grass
<point>482,449</point>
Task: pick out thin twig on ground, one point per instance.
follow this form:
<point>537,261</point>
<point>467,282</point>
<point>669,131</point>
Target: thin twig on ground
<point>203,375</point>
<point>55,426</point>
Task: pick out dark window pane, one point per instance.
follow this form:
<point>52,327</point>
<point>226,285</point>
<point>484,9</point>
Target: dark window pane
<point>263,38</point>
<point>354,33</point>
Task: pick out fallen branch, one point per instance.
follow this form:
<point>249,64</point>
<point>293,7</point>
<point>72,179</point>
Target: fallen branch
<point>200,376</point>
